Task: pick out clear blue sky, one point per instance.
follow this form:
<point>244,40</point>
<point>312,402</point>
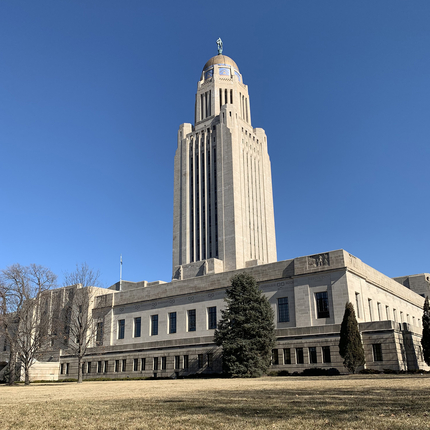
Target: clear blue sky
<point>92,94</point>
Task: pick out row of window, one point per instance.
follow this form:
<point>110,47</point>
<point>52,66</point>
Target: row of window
<point>140,364</point>
<point>172,323</point>
<point>287,355</point>
<point>383,312</point>
<point>322,306</point>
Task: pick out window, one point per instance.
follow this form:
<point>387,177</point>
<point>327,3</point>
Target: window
<point>299,356</point>
<point>186,362</point>
<point>395,315</point>
<point>322,305</point>
<point>172,322</point>
<point>192,320</point>
<point>212,318</point>
<point>121,329</point>
<point>387,313</point>
<point>326,354</point>
<point>137,326</point>
<point>105,367</point>
<point>163,363</point>
<point>377,352</point>
<point>136,364</point>
<point>83,368</point>
<point>283,312</point>
<point>210,360</point>
<point>154,325</point>
<point>67,368</point>
<point>177,362</point>
<point>99,367</point>
<point>200,360</point>
<point>99,334</point>
<point>89,367</point>
<point>116,365</point>
<point>378,305</point>
<point>61,368</point>
<point>357,304</point>
<point>155,363</point>
<point>401,316</point>
<point>370,309</point>
<point>287,356</point>
<point>275,357</point>
<point>142,363</point>
<point>124,365</point>
<point>313,355</point>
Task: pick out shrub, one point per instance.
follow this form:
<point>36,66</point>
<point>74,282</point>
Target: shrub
<point>370,372</point>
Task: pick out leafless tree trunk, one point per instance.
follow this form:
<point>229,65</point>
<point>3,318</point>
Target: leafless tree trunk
<point>79,325</point>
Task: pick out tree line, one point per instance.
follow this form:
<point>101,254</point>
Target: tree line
<point>32,323</point>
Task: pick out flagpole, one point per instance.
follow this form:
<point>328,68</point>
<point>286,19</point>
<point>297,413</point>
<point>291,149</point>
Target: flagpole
<point>120,273</point>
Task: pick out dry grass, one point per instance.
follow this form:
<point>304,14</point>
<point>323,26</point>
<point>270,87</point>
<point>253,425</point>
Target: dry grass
<point>344,402</point>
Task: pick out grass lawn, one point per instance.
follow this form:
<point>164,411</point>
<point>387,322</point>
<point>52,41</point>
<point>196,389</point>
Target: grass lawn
<point>337,402</point>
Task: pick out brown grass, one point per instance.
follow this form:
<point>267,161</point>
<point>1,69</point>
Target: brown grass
<point>343,402</point>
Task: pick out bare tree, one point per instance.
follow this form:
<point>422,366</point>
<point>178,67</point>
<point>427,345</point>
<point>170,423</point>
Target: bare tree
<point>80,328</point>
<point>25,324</point>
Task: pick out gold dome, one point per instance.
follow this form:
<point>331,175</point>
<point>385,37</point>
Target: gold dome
<point>220,59</point>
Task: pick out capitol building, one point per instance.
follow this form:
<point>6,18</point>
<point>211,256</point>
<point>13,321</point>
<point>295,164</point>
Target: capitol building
<point>223,224</point>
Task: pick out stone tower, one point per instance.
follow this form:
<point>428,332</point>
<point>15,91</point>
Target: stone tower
<point>223,203</point>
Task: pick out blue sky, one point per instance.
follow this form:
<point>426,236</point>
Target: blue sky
<point>92,94</point>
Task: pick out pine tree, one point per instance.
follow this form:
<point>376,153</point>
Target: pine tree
<point>246,330</point>
<point>350,345</point>
<point>425,341</point>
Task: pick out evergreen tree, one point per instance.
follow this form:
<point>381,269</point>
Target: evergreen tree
<point>425,341</point>
<point>350,345</point>
<point>246,330</point>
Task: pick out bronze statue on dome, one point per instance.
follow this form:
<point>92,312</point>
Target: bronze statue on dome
<point>219,44</point>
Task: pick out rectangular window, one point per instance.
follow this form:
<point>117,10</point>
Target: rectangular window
<point>210,360</point>
<point>191,320</point>
<point>61,368</point>
<point>137,326</point>
<point>275,357</point>
<point>155,363</point>
<point>378,306</point>
<point>89,367</point>
<point>313,355</point>
<point>395,315</point>
<point>177,362</point>
<point>283,312</point>
<point>299,356</point>
<point>387,312</point>
<point>200,360</point>
<point>163,363</point>
<point>322,305</point>
<point>136,364</point>
<point>99,334</point>
<point>287,356</point>
<point>154,325</point>
<point>142,363</point>
<point>83,368</point>
<point>67,368</point>
<point>370,309</point>
<point>99,367</point>
<point>326,354</point>
<point>357,304</point>
<point>124,365</point>
<point>377,352</point>
<point>185,362</point>
<point>172,322</point>
<point>105,367</point>
<point>401,316</point>
<point>116,365</point>
<point>212,318</point>
<point>121,329</point>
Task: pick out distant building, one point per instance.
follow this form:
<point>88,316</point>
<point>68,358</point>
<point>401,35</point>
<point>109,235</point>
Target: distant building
<point>223,225</point>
